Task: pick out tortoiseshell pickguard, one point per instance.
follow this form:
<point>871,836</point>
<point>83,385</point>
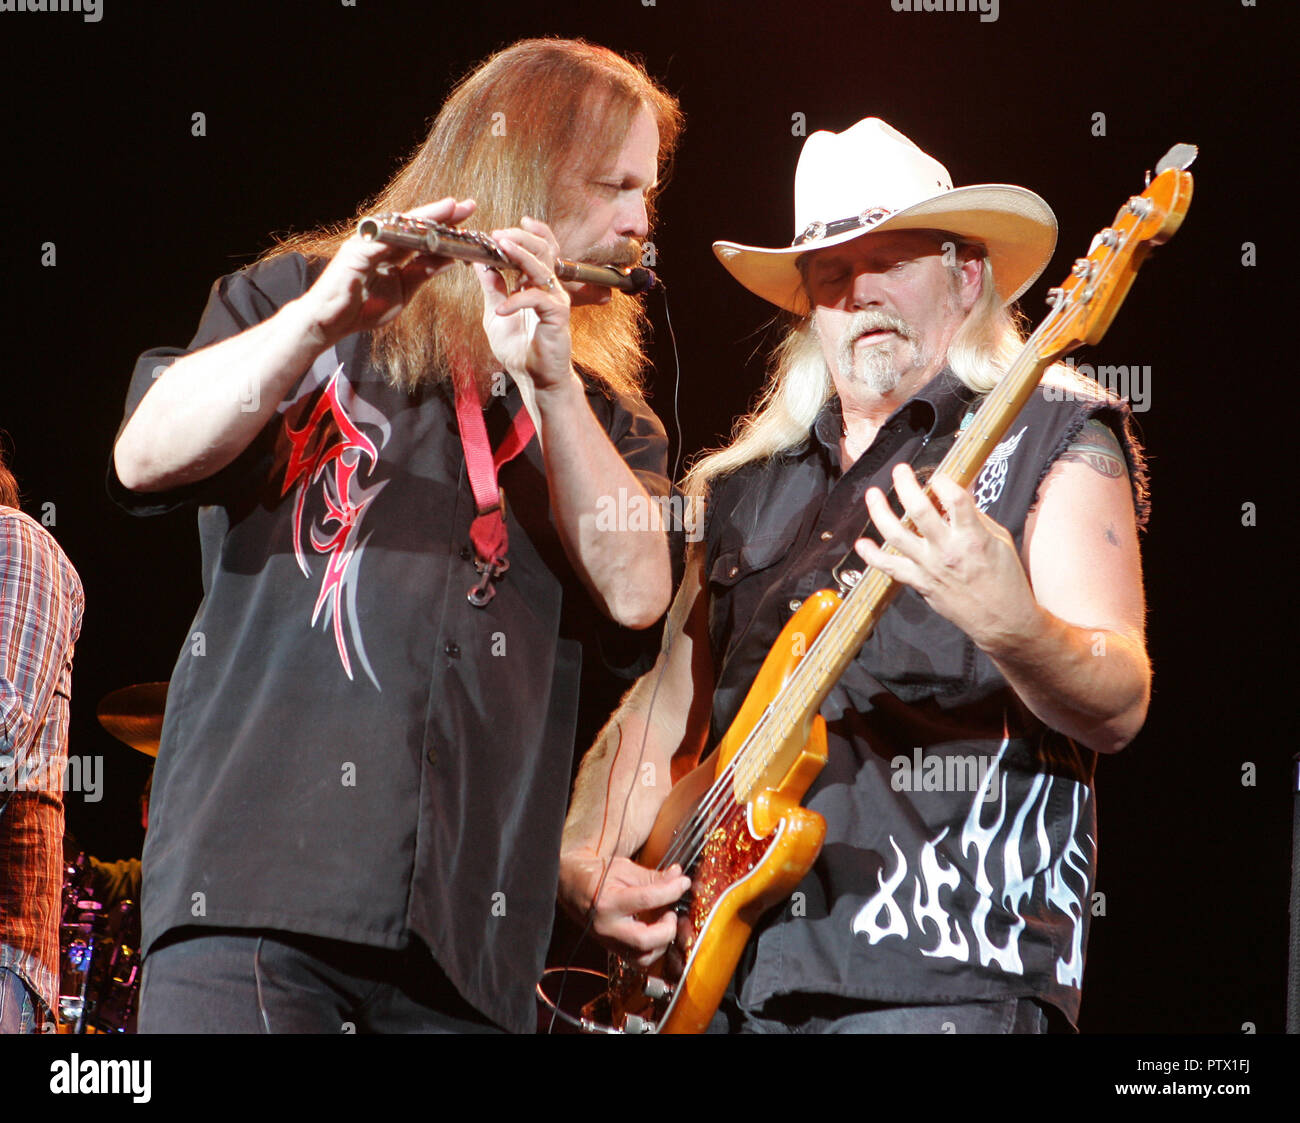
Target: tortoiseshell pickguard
<point>730,853</point>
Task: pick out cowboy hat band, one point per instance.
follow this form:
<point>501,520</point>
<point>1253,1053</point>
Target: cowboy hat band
<point>817,229</point>
<point>873,173</point>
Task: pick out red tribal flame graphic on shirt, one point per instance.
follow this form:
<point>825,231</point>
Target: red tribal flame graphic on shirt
<point>329,448</point>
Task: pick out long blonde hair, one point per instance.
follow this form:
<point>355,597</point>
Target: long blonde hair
<point>799,383</point>
<point>508,135</point>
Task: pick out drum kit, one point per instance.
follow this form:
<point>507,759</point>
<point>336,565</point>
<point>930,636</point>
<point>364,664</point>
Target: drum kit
<point>99,938</point>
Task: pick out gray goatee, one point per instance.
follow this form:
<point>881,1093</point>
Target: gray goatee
<point>880,369</point>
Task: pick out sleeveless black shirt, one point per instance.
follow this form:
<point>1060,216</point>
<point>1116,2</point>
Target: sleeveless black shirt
<point>960,854</point>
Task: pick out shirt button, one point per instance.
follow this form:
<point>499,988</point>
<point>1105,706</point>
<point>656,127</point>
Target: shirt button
<point>431,756</point>
<point>733,571</point>
<point>465,553</point>
<point>827,536</point>
<point>452,649</point>
<point>795,605</point>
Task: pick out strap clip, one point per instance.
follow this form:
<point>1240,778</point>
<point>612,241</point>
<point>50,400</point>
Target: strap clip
<point>484,591</point>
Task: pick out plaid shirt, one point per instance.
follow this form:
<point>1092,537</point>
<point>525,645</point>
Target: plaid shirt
<point>40,618</point>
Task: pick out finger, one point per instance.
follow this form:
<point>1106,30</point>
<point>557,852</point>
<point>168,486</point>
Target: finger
<point>372,261</point>
<point>662,933</point>
<point>493,286</point>
<point>448,210</point>
<point>533,243</point>
<point>889,525</point>
<point>645,935</point>
<point>551,253</point>
<point>579,293</point>
<point>642,898</point>
<point>963,515</point>
<point>551,305</point>
<point>919,507</point>
<point>420,268</point>
<point>901,569</point>
<point>537,271</point>
<point>362,256</point>
<point>534,226</point>
<point>646,941</point>
<point>410,277</point>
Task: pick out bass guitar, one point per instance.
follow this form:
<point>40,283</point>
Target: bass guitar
<point>735,824</point>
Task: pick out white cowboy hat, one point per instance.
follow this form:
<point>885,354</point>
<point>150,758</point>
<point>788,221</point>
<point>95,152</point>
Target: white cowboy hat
<point>871,178</point>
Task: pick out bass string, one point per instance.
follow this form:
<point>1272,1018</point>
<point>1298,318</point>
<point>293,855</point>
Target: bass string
<point>761,746</point>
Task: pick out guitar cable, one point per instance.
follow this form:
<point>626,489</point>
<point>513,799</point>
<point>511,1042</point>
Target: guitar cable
<point>556,1010</point>
<point>665,652</point>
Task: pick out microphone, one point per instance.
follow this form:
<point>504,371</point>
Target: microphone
<point>435,238</point>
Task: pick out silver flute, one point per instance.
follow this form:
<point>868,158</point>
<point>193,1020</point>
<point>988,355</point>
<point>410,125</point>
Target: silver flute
<point>427,236</point>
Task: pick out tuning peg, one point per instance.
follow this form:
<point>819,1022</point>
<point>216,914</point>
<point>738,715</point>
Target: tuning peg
<point>1107,237</point>
<point>1180,156</point>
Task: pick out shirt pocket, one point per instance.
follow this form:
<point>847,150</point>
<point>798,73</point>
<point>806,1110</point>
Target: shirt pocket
<point>740,577</point>
<point>739,561</point>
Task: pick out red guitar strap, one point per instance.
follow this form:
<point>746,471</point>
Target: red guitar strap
<point>488,531</point>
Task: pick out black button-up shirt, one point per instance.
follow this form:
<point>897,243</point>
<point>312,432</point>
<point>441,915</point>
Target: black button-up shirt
<point>352,750</point>
<point>960,849</point>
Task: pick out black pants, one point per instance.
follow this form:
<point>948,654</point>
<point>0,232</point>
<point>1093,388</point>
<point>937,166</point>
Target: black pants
<point>825,1014</point>
<point>249,981</point>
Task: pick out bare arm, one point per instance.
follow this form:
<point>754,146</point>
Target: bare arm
<point>625,779</point>
<point>626,571</point>
<point>207,407</point>
<point>1081,552</point>
<point>1065,624</point>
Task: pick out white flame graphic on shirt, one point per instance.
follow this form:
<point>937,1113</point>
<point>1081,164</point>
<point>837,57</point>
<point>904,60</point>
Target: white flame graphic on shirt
<point>882,916</point>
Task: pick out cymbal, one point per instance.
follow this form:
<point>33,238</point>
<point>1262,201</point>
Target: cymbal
<point>134,715</point>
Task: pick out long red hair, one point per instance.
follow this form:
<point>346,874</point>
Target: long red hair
<point>9,495</point>
<point>509,135</point>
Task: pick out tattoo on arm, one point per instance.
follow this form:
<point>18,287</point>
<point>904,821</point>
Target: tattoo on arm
<point>1096,446</point>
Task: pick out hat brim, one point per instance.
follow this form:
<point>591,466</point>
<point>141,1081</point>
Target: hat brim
<point>1016,226</point>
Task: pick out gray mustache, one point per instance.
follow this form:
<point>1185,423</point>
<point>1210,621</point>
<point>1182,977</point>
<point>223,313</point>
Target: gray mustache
<point>866,321</point>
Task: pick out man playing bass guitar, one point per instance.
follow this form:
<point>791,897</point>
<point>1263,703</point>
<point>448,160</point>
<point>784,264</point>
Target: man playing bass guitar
<point>954,886</point>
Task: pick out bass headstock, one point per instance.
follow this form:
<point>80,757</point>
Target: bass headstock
<point>1086,302</point>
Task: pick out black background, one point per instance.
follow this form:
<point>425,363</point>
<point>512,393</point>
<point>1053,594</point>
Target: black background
<point>310,106</point>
